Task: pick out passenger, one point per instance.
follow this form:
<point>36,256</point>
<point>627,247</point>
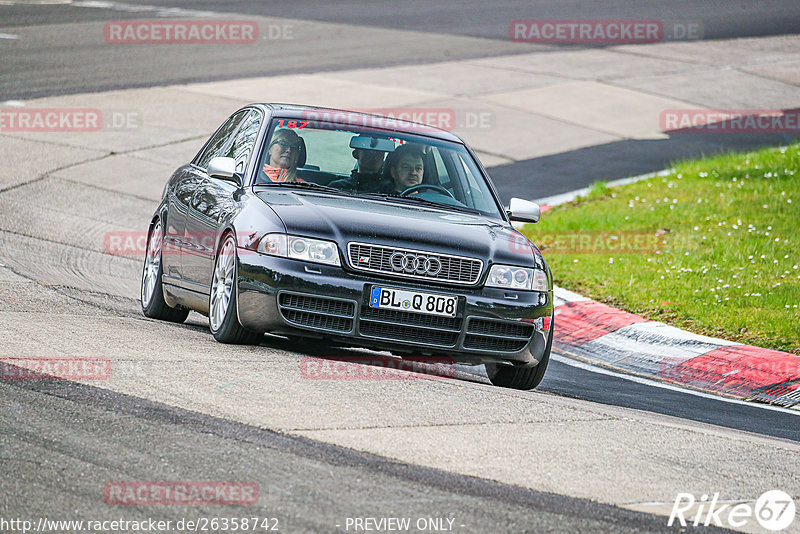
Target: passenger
<point>284,152</point>
<point>367,177</point>
<point>404,169</point>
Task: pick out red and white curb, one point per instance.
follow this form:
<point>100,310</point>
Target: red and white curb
<point>602,335</point>
<point>605,336</point>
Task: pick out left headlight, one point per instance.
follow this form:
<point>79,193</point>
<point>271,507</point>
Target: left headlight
<point>510,277</point>
<point>300,248</point>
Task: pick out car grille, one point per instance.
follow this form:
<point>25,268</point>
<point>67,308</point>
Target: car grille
<point>485,334</point>
<point>317,312</point>
<point>411,327</point>
<point>338,316</point>
<point>454,269</point>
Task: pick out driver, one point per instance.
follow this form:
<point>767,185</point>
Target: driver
<point>404,168</point>
<point>367,178</point>
<point>284,154</point>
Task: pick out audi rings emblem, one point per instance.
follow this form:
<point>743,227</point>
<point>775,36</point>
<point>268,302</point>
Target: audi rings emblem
<point>417,264</point>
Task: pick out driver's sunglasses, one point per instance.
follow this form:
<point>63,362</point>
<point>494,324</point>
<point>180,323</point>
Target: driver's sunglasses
<point>284,145</point>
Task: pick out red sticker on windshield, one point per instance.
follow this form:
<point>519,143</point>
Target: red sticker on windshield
<point>283,123</point>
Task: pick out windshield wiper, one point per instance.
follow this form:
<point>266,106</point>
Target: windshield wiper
<point>307,185</point>
<point>432,203</point>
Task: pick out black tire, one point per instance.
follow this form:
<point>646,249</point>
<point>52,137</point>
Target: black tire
<point>151,292</point>
<point>229,330</point>
<point>522,377</point>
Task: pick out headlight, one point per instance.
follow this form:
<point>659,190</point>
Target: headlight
<point>510,277</point>
<point>300,248</point>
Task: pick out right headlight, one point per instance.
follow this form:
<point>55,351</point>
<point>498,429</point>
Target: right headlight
<point>511,277</point>
<point>300,248</point>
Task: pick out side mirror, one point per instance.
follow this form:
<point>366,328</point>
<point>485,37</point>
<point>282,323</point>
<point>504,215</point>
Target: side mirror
<point>224,169</point>
<point>523,210</point>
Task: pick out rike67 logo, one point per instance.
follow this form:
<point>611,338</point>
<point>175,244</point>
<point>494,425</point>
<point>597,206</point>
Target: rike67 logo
<point>774,510</point>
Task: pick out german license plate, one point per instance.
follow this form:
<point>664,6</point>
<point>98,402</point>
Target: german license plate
<point>413,301</point>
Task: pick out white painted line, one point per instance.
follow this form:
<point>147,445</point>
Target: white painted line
<point>645,348</point>
<point>567,296</point>
<point>671,503</point>
<point>658,333</point>
<point>33,2</point>
<point>555,200</point>
<point>8,36</point>
<point>159,11</point>
<point>639,380</point>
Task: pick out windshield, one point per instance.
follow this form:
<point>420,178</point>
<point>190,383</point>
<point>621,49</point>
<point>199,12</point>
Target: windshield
<point>350,160</point>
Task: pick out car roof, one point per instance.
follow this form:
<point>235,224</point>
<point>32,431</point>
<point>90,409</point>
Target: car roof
<point>358,118</point>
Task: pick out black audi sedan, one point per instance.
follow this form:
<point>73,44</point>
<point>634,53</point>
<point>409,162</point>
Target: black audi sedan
<point>356,230</point>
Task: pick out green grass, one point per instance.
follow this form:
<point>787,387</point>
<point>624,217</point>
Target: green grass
<point>718,250</point>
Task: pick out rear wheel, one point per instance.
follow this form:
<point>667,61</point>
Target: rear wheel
<point>222,301</point>
<point>152,293</point>
<point>521,377</point>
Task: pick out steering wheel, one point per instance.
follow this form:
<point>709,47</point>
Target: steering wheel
<point>421,187</point>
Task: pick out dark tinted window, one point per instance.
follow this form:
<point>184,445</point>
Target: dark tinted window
<point>218,142</point>
<point>245,140</point>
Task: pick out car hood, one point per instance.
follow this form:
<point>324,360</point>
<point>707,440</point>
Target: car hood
<point>346,219</point>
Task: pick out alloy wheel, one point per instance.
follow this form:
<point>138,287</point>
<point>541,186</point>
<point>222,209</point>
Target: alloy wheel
<point>152,265</point>
<point>222,284</point>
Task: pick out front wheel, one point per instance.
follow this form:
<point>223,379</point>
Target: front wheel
<point>152,293</point>
<point>222,301</point>
<point>521,377</point>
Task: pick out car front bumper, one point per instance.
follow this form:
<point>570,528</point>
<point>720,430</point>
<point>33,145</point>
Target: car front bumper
<point>297,298</point>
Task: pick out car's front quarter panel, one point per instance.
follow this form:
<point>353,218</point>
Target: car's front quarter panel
<point>253,221</point>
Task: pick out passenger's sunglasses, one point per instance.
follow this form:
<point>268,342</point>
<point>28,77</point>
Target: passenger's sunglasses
<point>284,145</point>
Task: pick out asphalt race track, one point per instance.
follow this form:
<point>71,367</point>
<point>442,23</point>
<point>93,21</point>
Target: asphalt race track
<point>587,451</point>
<point>60,53</point>
<point>362,34</point>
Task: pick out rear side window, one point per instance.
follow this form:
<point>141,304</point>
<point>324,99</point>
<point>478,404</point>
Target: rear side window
<point>216,145</point>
